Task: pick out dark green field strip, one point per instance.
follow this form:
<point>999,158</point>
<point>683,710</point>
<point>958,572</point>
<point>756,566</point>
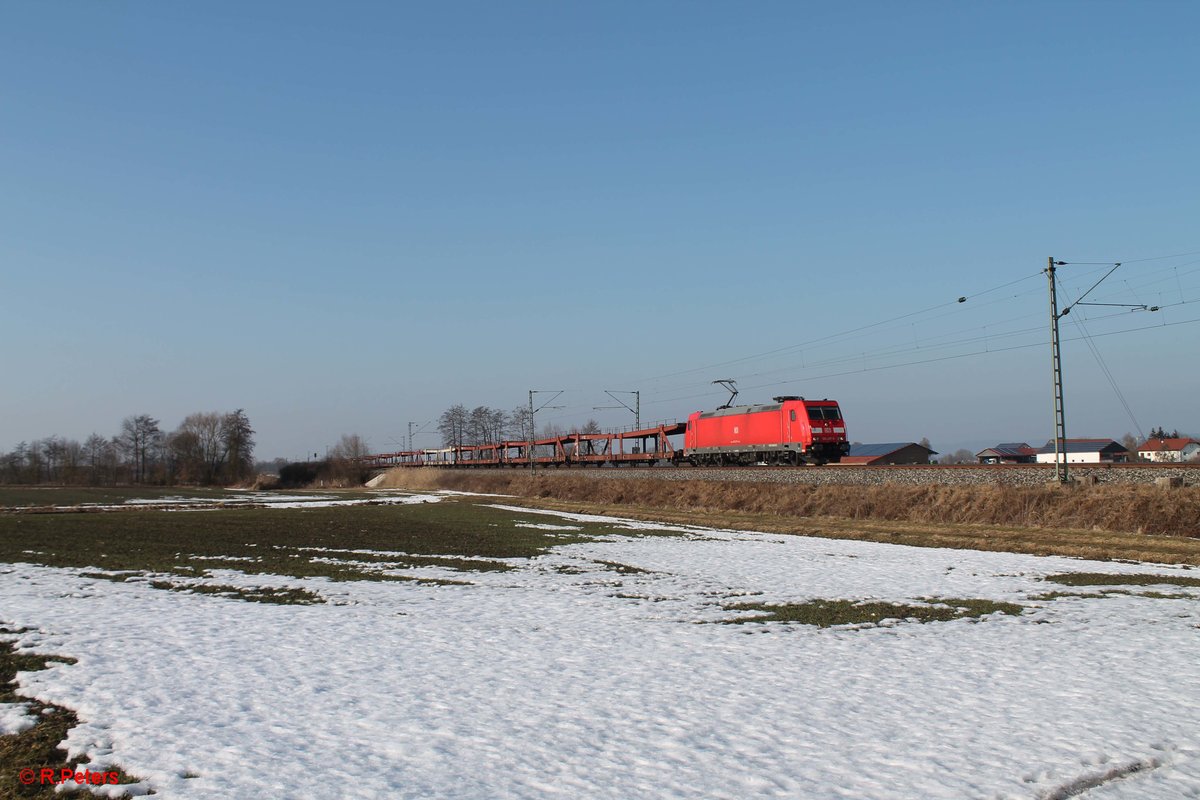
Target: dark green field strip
<point>1107,579</point>
<point>29,496</point>
<point>827,613</point>
<point>272,539</point>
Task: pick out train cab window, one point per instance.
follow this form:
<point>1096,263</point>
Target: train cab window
<point>818,413</point>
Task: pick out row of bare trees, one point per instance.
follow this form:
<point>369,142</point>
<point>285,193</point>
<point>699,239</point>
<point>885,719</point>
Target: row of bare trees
<point>482,425</point>
<point>206,448</point>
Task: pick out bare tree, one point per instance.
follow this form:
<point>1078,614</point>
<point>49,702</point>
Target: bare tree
<point>197,448</point>
<point>484,426</point>
<point>1130,443</point>
<point>98,455</point>
<point>478,426</point>
<point>72,460</point>
<point>960,456</point>
<point>345,464</point>
<point>498,425</point>
<point>452,425</point>
<point>138,437</point>
<point>52,456</point>
<point>350,447</point>
<point>520,424</point>
<point>33,462</point>
<point>15,463</point>
<point>238,438</point>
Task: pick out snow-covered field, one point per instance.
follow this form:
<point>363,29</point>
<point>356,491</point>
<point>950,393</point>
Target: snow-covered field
<point>567,678</point>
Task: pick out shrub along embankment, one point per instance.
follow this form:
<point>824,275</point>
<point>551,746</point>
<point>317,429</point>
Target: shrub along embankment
<point>1126,521</point>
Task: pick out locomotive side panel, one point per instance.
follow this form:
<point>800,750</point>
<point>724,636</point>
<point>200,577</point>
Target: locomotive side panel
<point>737,428</point>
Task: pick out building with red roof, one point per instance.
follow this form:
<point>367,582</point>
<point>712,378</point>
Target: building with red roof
<point>1170,449</point>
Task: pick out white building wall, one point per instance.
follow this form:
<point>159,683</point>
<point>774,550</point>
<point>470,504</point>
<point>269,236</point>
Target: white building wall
<point>1072,458</point>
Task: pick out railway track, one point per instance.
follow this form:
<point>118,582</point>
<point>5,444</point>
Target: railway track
<point>911,474</point>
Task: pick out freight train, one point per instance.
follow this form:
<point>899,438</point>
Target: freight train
<point>791,430</point>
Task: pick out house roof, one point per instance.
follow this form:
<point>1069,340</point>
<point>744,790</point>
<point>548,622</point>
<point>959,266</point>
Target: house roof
<point>1085,446</point>
<point>885,449</point>
<point>1009,449</point>
<point>1168,444</point>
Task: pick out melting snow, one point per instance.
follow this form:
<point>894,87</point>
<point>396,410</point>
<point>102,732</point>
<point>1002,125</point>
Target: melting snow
<point>14,718</point>
<point>564,679</point>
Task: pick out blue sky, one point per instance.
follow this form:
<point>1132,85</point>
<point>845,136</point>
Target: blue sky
<point>346,217</point>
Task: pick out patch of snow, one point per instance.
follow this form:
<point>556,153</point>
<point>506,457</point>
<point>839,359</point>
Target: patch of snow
<point>15,718</point>
<point>615,522</point>
<point>563,678</point>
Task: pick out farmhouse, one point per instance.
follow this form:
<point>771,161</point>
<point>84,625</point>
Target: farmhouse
<point>1167,449</point>
<point>1086,451</point>
<point>1008,453</point>
<point>889,453</point>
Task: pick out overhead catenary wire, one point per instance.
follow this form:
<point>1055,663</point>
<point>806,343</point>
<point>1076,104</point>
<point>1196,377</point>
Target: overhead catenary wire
<point>937,360</point>
<point>822,339</point>
<point>988,329</point>
<point>878,327</point>
<point>848,336</point>
<point>852,331</point>
<point>1081,324</point>
<point>986,333</point>
<point>1159,258</point>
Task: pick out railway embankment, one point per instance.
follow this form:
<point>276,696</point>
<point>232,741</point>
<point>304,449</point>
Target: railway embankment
<point>1031,475</point>
<point>1102,520</point>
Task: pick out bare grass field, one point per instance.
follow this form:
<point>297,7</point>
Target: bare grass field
<point>385,644</point>
<point>1141,523</point>
<point>366,542</point>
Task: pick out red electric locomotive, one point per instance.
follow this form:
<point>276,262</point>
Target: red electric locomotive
<point>791,430</point>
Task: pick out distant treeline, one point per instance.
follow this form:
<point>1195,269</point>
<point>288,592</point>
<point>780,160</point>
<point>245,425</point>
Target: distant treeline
<point>207,448</point>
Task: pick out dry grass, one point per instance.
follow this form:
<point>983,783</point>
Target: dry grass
<point>1141,523</point>
<point>828,613</point>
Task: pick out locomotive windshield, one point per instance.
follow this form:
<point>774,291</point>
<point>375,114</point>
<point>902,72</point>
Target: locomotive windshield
<point>818,413</point>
